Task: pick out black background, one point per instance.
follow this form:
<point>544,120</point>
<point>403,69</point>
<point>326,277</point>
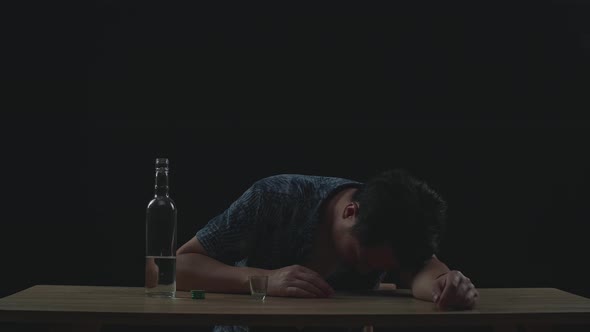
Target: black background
<point>485,101</point>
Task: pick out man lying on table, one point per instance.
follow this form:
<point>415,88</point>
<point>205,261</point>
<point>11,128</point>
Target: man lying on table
<point>313,235</point>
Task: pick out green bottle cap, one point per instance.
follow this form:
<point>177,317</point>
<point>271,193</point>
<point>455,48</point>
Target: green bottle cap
<point>197,294</point>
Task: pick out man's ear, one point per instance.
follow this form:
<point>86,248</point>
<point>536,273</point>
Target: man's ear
<point>350,210</point>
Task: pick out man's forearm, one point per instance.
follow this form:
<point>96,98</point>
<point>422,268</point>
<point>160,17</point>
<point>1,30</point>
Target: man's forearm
<point>423,282</point>
<point>197,271</point>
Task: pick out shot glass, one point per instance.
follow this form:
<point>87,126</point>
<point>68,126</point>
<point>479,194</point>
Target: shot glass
<point>258,286</point>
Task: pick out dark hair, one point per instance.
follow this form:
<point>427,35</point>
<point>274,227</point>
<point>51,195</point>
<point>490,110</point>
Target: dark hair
<point>402,211</point>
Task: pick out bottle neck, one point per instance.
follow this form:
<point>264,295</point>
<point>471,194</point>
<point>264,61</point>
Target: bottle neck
<point>162,187</point>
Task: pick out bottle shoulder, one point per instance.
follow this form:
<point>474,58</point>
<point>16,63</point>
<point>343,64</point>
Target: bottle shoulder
<point>161,202</point>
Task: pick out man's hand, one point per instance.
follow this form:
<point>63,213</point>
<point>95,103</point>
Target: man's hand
<point>454,290</point>
<point>297,281</point>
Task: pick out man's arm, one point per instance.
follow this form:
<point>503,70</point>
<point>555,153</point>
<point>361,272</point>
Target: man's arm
<point>196,270</point>
<point>435,282</point>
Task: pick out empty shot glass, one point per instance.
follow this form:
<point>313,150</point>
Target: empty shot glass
<point>258,286</point>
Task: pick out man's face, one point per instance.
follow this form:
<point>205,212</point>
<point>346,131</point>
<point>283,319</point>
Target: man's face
<point>372,258</point>
<point>379,258</point>
<point>364,259</point>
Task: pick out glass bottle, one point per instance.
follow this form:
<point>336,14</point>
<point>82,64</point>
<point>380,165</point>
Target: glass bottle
<point>161,212</point>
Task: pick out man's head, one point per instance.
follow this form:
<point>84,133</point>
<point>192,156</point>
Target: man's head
<point>396,221</point>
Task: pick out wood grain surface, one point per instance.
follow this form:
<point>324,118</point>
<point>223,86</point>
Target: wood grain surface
<point>129,305</point>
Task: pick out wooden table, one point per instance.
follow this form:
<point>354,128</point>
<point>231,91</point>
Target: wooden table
<point>89,307</point>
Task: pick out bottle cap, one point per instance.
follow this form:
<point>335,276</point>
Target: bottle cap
<point>198,294</point>
<point>162,163</point>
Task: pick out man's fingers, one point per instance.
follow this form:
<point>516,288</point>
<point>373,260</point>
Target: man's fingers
<point>448,292</point>
<point>462,290</point>
<point>298,292</point>
<point>308,271</point>
<point>465,288</point>
<point>439,286</point>
<point>458,291</point>
<point>470,298</point>
<point>460,299</point>
<point>317,281</point>
<point>308,287</point>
